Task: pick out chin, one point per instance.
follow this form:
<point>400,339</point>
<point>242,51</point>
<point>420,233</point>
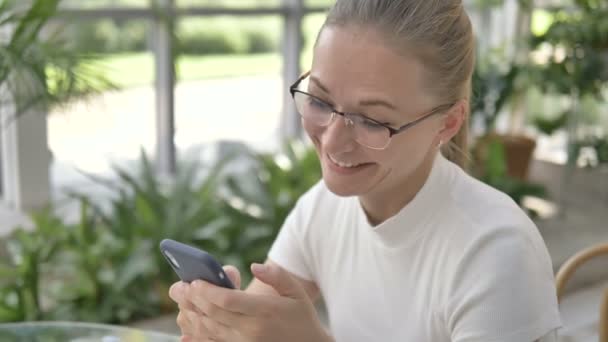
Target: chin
<point>345,184</point>
<point>344,187</point>
<point>342,190</point>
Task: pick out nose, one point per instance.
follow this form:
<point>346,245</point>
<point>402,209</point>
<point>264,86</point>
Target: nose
<point>339,135</point>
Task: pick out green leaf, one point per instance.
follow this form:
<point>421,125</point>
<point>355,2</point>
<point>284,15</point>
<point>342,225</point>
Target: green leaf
<point>137,265</point>
<point>8,272</point>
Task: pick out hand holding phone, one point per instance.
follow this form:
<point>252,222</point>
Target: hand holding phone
<point>192,264</point>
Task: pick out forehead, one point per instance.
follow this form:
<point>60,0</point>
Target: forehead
<point>361,62</point>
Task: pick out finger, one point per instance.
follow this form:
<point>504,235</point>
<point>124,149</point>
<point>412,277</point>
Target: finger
<point>216,331</point>
<point>219,332</point>
<point>236,302</point>
<point>279,279</point>
<point>184,324</point>
<point>234,275</point>
<point>189,306</point>
<point>213,311</point>
<point>177,291</point>
<point>199,330</point>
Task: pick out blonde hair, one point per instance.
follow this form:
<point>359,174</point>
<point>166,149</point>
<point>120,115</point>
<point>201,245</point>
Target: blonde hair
<point>436,32</point>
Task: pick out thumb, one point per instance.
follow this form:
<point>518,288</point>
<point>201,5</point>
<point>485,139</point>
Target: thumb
<point>234,275</point>
<point>279,279</point>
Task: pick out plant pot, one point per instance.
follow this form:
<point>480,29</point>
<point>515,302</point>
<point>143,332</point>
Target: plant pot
<point>518,151</point>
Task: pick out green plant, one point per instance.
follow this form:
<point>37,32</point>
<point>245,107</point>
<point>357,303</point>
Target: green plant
<point>578,42</point>
<point>258,193</point>
<point>147,209</point>
<point>37,67</point>
<point>493,86</point>
<point>550,125</point>
<point>106,266</point>
<point>30,253</point>
<point>571,60</point>
<point>101,277</point>
<point>495,175</point>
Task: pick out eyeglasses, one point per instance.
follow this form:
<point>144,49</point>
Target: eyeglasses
<point>367,131</point>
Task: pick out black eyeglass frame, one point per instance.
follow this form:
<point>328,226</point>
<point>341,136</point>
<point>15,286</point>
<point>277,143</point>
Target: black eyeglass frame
<point>293,89</point>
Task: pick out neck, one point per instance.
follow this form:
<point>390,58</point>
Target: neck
<point>385,203</point>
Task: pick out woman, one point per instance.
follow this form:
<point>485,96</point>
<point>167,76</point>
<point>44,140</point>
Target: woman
<point>399,241</point>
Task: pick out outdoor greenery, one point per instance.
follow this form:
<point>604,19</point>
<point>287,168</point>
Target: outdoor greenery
<point>106,266</point>
<point>128,69</point>
<point>132,70</point>
<point>206,36</point>
<point>38,68</point>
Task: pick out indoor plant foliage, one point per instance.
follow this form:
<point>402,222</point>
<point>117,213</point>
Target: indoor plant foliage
<point>571,61</point>
<point>500,160</point>
<point>38,69</point>
<point>106,266</point>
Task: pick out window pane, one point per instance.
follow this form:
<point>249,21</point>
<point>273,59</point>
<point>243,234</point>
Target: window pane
<point>91,134</point>
<point>319,2</point>
<point>230,83</point>
<point>311,25</point>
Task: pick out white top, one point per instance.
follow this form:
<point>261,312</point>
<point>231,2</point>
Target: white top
<point>461,262</point>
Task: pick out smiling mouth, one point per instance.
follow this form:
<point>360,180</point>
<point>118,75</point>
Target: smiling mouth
<point>346,165</point>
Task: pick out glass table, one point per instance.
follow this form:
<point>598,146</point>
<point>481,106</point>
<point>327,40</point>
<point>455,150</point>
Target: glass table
<point>77,332</point>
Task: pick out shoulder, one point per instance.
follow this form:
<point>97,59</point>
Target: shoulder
<point>482,213</point>
<point>491,232</point>
<point>498,263</point>
<point>484,204</point>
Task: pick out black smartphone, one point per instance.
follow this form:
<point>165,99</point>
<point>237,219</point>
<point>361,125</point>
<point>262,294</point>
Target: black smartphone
<point>191,263</point>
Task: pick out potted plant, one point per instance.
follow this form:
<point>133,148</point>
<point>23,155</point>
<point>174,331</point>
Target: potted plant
<point>500,160</point>
<point>495,84</point>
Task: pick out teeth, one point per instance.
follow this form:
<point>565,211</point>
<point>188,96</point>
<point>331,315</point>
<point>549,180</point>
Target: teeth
<point>343,164</point>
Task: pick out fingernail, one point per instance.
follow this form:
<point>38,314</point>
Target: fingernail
<point>258,268</point>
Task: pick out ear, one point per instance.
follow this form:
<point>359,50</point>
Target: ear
<point>452,121</point>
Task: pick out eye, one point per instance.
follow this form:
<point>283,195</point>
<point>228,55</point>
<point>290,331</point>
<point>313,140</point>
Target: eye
<point>371,124</point>
<point>367,123</point>
<point>318,104</point>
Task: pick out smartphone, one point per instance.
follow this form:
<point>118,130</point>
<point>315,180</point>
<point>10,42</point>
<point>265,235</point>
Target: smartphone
<point>191,263</point>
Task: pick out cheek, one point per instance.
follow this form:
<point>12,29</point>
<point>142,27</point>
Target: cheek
<point>408,151</point>
<point>314,132</point>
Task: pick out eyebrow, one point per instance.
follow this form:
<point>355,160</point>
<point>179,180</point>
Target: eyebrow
<point>378,102</point>
<point>319,84</point>
<point>365,103</point>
